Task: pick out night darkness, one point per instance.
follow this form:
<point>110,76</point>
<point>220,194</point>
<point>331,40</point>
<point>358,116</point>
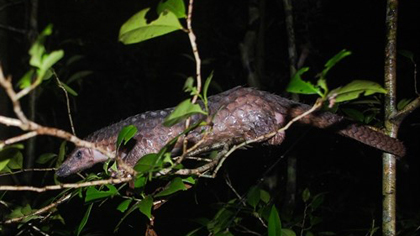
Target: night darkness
<point>130,79</point>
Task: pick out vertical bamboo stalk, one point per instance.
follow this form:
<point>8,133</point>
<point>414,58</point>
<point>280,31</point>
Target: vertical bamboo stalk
<point>389,161</point>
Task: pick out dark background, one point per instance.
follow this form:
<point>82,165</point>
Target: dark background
<point>130,79</point>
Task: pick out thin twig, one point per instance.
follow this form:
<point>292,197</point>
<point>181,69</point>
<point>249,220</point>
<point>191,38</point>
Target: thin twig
<point>20,138</point>
<point>43,130</point>
<point>40,211</point>
<point>229,184</point>
<point>27,90</point>
<point>9,5</point>
<point>247,231</point>
<point>13,29</point>
<point>28,170</point>
<point>65,186</point>
<point>194,47</point>
<point>400,115</point>
<point>67,102</point>
<point>7,85</point>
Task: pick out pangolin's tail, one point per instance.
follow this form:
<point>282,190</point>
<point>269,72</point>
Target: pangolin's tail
<point>361,133</point>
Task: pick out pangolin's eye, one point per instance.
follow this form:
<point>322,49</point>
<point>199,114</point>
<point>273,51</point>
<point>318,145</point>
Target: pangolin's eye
<point>79,154</point>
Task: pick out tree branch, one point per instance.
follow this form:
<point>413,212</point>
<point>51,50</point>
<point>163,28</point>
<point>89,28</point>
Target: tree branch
<point>65,186</point>
<point>40,211</point>
<point>35,129</point>
<point>400,115</point>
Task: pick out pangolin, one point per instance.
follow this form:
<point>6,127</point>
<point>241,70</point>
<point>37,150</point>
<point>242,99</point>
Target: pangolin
<point>237,115</point>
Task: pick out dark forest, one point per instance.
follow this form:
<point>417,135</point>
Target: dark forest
<point>316,182</point>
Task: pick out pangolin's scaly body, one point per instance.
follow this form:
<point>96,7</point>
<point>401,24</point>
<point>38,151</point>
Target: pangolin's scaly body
<point>236,115</point>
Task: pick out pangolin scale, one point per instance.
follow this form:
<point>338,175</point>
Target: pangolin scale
<point>237,115</point>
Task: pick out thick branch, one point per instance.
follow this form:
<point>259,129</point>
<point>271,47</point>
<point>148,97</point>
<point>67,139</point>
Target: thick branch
<point>36,129</point>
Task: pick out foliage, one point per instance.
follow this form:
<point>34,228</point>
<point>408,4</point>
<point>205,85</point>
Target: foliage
<point>11,158</point>
<point>234,216</point>
<point>346,93</point>
<point>140,27</point>
<point>41,61</point>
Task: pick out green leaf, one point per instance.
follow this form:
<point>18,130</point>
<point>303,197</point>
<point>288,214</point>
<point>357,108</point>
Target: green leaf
<point>11,158</point>
<point>41,60</point>
<point>189,86</point>
<point>222,220</point>
<point>140,181</point>
<point>123,206</point>
<point>306,194</point>
<point>17,212</point>
<point>334,60</point>
<point>407,54</point>
<point>73,59</point>
<point>21,211</point>
<point>206,86</point>
<point>61,153</point>
<point>38,48</point>
<point>354,114</point>
<point>126,134</point>
<point>356,88</point>
<point>175,6</point>
<point>175,186</point>
<point>13,146</point>
<point>317,201</point>
<point>92,193</point>
<point>84,220</point>
<point>138,29</point>
<point>369,118</point>
<point>48,74</point>
<point>322,83</point>
<point>287,232</point>
<point>147,163</point>
<point>46,157</point>
<point>3,163</point>
<point>47,31</point>
<point>297,85</point>
<point>36,52</point>
<point>145,206</point>
<point>314,220</point>
<point>182,111</point>
<point>167,159</point>
<point>16,163</point>
<point>404,102</point>
<point>26,79</point>
<point>68,89</point>
<point>49,60</point>
<point>253,196</point>
<point>79,75</point>
<point>194,232</point>
<point>274,223</point>
<point>189,180</point>
<point>126,214</point>
<point>264,196</point>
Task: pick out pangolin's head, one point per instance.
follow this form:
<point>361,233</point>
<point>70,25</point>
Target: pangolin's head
<point>80,159</point>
